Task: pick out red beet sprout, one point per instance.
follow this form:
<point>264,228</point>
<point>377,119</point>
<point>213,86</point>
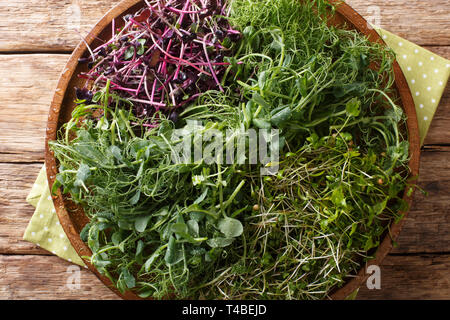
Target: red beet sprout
<point>165,56</point>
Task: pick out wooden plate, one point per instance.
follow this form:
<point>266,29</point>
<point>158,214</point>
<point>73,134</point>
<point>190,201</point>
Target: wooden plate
<point>72,218</point>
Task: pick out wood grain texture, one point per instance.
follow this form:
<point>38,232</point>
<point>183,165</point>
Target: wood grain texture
<point>22,277</point>
<point>402,277</point>
<point>426,229</point>
<point>16,181</point>
<point>27,84</point>
<point>412,277</point>
<point>424,22</point>
<point>49,25</point>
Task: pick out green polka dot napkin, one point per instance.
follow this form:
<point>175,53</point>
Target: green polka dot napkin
<point>44,228</point>
<point>427,75</point>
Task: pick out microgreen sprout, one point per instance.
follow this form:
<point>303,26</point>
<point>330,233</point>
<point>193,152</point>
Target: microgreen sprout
<point>199,230</point>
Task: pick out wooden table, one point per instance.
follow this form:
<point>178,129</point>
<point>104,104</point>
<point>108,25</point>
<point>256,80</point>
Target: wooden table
<point>36,38</point>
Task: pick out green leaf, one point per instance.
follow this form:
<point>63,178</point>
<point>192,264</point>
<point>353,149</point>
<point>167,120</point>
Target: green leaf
<point>139,248</point>
<point>277,43</point>
<point>125,224</point>
<point>135,199</point>
<point>261,123</point>
<point>116,152</point>
<point>121,246</point>
<point>97,96</point>
<point>230,227</point>
<point>116,238</point>
<point>101,263</point>
<point>93,235</point>
<point>193,228</point>
<point>219,242</point>
<point>174,252</point>
<point>82,174</point>
<point>281,116</point>
<point>379,207</point>
<point>141,49</point>
<point>410,192</point>
<point>395,113</point>
<point>302,85</point>
<point>140,224</point>
<point>404,150</point>
<point>182,231</point>
<point>197,216</point>
<point>90,152</point>
<point>338,197</point>
<point>354,226</point>
<point>227,42</point>
<point>59,181</point>
<point>346,136</point>
<point>103,124</point>
<point>144,294</point>
<point>260,101</point>
<point>248,31</point>
<point>85,232</point>
<point>153,257</point>
<point>370,244</point>
<point>231,60</point>
<point>104,225</point>
<point>400,152</point>
<point>262,77</point>
<point>129,53</point>
<point>163,211</point>
<point>202,197</point>
<point>129,279</point>
<point>314,140</point>
<point>287,60</point>
<point>364,59</point>
<point>179,228</point>
<point>353,107</point>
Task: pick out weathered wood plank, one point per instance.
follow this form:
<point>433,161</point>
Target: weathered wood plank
<point>49,278</point>
<point>427,226</point>
<point>27,84</point>
<point>425,231</point>
<point>32,25</point>
<point>439,133</point>
<point>15,182</point>
<point>26,94</point>
<point>49,25</point>
<point>412,277</point>
<point>424,22</point>
<point>46,277</point>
